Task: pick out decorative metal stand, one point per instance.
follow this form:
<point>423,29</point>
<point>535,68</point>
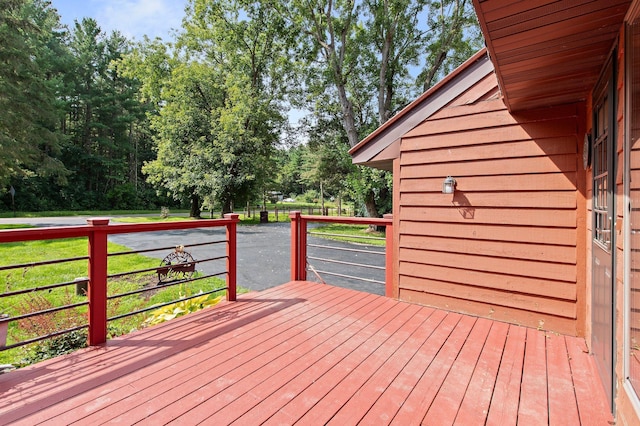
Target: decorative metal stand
<point>178,265</point>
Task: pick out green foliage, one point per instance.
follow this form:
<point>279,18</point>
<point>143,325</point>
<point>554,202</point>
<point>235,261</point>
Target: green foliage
<point>29,143</point>
<point>91,121</point>
<point>178,309</point>
<point>56,346</point>
<point>311,196</point>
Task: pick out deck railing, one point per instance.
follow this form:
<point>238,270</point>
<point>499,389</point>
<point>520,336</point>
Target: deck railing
<point>299,246</point>
<point>97,232</point>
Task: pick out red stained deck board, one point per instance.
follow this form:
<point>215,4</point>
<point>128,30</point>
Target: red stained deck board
<point>88,366</point>
<point>593,406</point>
<point>324,410</point>
<point>445,406</point>
<point>308,353</point>
<point>165,370</point>
<point>190,387</point>
<point>563,409</point>
<point>506,393</point>
<point>385,405</point>
<point>406,343</point>
<point>475,405</point>
<point>533,407</point>
<point>383,338</point>
<point>257,388</point>
<point>423,394</point>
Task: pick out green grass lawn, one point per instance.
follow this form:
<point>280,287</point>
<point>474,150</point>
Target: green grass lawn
<point>351,233</point>
<point>59,213</point>
<point>38,276</point>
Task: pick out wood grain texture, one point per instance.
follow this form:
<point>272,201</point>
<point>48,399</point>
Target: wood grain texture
<point>309,354</point>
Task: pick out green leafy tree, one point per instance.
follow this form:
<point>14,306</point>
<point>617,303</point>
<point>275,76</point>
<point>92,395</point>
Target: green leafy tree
<point>352,49</point>
<point>221,115</point>
<point>29,80</point>
<point>105,122</point>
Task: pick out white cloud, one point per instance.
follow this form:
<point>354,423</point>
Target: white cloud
<point>135,18</point>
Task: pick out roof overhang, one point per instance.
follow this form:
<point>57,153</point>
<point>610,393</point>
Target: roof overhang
<point>383,145</point>
<point>549,52</point>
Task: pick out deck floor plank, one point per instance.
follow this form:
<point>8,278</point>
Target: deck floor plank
<point>173,356</point>
<point>307,353</point>
<point>445,406</point>
<point>298,358</point>
<point>475,404</point>
<point>506,393</point>
<point>381,336</point>
<point>380,368</point>
<point>563,407</point>
<point>322,412</point>
<point>533,409</point>
<point>74,405</point>
<point>121,352</point>
<point>593,406</point>
<point>422,395</point>
<point>385,407</point>
<point>190,383</point>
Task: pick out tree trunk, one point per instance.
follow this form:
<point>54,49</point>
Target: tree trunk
<point>348,120</point>
<point>226,207</point>
<point>370,205</point>
<point>195,206</point>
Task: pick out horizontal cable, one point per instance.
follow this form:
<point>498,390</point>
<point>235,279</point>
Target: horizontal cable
<point>346,236</point>
<point>48,336</point>
<point>121,253</point>
<point>44,262</point>
<point>43,312</point>
<point>360,265</point>
<point>45,287</point>
<point>346,249</point>
<point>156,268</point>
<point>160,305</point>
<point>349,276</point>
<point>163,285</point>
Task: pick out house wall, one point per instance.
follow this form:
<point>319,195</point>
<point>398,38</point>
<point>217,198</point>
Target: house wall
<point>510,243</point>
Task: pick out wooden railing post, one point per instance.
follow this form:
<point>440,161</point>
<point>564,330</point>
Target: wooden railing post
<point>388,256</point>
<point>232,256</point>
<point>302,260</point>
<point>295,244</point>
<point>98,281</point>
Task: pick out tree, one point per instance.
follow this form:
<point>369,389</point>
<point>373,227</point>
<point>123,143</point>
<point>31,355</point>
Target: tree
<point>221,116</point>
<point>354,48</point>
<point>29,143</point>
<point>454,35</point>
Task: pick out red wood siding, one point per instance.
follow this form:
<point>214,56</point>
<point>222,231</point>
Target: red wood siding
<point>548,52</point>
<point>504,246</point>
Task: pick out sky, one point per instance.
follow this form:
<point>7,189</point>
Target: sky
<point>133,18</point>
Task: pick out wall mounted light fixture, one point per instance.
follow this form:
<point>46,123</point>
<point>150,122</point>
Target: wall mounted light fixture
<point>449,185</point>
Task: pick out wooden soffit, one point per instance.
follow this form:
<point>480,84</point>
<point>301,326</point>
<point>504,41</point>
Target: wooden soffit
<point>549,52</point>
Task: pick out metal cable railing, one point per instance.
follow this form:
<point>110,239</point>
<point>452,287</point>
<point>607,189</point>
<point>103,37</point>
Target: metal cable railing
<point>342,260</point>
<point>42,305</point>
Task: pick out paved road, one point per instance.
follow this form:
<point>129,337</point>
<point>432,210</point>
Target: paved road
<point>263,252</point>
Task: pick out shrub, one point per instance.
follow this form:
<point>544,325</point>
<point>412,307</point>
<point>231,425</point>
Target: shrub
<point>180,308</point>
<point>56,346</point>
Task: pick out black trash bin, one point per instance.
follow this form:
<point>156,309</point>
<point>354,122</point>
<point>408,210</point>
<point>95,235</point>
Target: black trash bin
<point>264,217</point>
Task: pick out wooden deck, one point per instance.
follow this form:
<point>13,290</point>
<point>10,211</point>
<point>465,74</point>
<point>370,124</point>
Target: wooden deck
<point>313,354</point>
